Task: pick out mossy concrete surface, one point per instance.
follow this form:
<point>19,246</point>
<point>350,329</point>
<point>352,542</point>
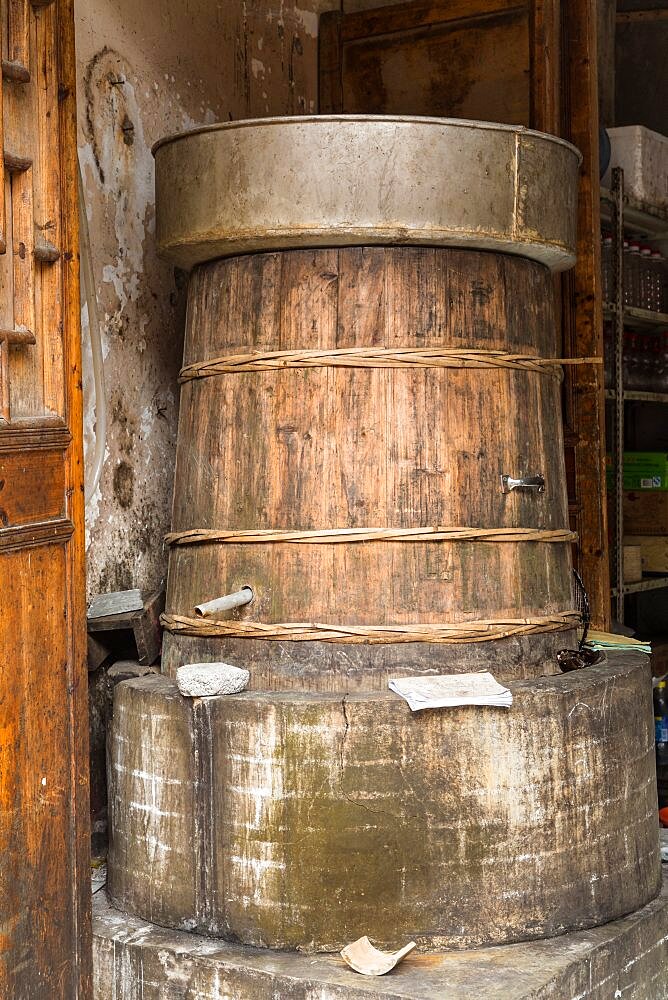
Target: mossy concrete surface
<point>627,958</point>
<point>305,820</point>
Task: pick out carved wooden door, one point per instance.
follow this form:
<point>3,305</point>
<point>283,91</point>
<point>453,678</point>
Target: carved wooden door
<point>44,869</point>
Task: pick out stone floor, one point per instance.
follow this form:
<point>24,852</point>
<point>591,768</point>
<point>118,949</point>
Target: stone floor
<point>627,959</point>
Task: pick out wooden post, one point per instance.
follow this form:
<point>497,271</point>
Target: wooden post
<point>583,316</point>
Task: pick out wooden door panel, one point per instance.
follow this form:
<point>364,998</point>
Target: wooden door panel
<point>44,841</point>
<point>32,487</point>
<point>31,367</point>
<point>455,68</point>
<point>35,879</point>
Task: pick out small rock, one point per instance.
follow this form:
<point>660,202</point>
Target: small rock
<point>203,680</point>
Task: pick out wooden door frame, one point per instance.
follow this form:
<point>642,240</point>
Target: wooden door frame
<point>76,597</point>
<point>565,102</point>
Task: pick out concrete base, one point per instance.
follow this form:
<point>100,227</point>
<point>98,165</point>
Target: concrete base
<point>303,820</point>
<point>626,958</point>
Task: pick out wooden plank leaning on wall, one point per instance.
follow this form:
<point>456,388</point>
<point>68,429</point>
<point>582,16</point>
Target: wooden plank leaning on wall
<point>45,947</point>
<point>552,44</point>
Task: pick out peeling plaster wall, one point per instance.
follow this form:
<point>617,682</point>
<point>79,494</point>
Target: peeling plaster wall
<point>141,75</point>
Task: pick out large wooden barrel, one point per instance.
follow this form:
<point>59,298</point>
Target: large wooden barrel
<point>349,413</point>
<point>306,449</point>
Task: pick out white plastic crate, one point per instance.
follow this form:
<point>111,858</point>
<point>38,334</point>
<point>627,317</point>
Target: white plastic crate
<point>643,155</point>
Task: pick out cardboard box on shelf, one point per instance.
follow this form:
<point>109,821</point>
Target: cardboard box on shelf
<point>653,552</point>
<point>643,470</point>
<point>633,567</point>
<point>645,512</point>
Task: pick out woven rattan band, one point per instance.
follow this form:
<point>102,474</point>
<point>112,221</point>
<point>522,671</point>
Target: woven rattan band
<point>456,632</point>
<point>202,536</point>
<point>377,357</point>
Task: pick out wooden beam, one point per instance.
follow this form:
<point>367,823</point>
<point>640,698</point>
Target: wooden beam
<point>606,61</point>
<point>144,624</point>
<point>98,654</point>
<point>80,899</point>
<point>641,16</point>
<point>545,65</point>
<point>583,327</point>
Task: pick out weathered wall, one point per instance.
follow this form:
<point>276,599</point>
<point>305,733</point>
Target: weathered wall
<point>142,76</point>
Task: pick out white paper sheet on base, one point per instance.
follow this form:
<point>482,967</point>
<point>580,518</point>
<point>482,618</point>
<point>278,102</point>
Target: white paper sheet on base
<point>451,690</point>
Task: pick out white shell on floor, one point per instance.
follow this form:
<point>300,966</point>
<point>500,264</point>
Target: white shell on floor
<point>204,680</point>
<point>364,958</point>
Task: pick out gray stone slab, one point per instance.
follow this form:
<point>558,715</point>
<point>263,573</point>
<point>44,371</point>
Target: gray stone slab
<point>627,959</point>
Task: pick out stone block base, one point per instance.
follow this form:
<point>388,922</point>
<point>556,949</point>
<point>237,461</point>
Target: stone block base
<point>292,820</point>
<point>626,958</point>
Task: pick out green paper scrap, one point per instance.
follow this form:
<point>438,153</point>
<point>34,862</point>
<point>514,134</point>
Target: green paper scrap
<point>602,641</point>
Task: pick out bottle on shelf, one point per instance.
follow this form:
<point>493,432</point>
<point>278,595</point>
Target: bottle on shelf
<point>661,722</point>
<point>652,364</point>
<point>633,274</point>
<point>644,374</point>
<point>626,274</point>
<point>658,282</point>
<point>645,283</point>
<point>631,368</point>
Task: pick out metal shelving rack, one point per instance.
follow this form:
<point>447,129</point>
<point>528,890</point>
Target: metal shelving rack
<point>625,214</point>
<point>637,396</point>
<point>653,225</point>
<point>638,319</point>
